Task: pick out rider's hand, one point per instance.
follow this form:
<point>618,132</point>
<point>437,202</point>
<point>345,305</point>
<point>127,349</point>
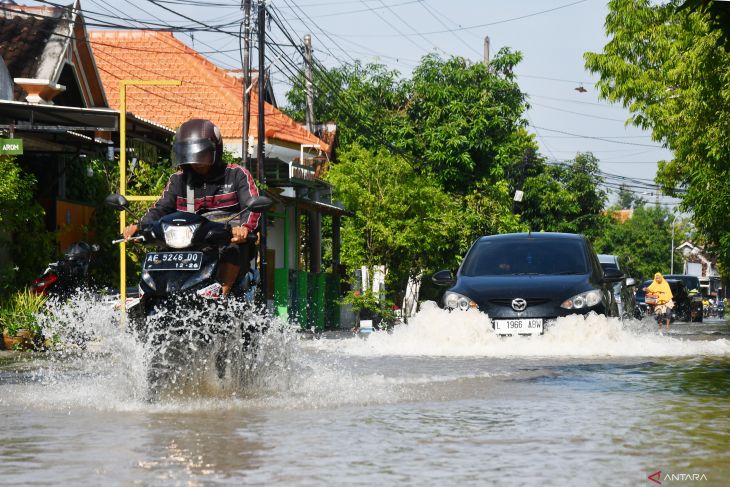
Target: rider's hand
<point>130,231</point>
<point>239,234</point>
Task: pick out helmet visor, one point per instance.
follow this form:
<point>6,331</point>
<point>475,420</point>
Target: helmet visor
<point>197,151</point>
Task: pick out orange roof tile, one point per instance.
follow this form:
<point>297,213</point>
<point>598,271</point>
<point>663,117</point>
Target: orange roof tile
<point>206,90</point>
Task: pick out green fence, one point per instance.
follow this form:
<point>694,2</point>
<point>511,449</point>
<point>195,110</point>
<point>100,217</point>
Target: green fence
<point>310,299</point>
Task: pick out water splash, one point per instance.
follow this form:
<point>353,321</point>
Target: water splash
<point>99,362</point>
<point>436,332</point>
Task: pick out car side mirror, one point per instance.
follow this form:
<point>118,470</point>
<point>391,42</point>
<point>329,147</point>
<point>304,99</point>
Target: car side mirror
<point>613,275</point>
<point>443,278</point>
<point>630,282</point>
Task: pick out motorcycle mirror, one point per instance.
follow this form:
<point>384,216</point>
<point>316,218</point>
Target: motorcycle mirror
<point>118,202</point>
<point>259,204</point>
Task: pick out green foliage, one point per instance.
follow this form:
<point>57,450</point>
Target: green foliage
<point>369,304</point>
<point>22,225</point>
<point>20,312</point>
<point>628,199</point>
<point>566,198</point>
<point>463,118</point>
<point>402,220</point>
<point>663,64</point>
<point>643,242</point>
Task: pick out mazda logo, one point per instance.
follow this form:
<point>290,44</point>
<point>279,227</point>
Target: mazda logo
<point>519,304</point>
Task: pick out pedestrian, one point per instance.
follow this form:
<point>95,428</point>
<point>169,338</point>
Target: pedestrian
<point>660,290</point>
<point>206,185</point>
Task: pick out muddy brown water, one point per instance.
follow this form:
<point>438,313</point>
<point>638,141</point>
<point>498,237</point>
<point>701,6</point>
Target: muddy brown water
<point>440,401</point>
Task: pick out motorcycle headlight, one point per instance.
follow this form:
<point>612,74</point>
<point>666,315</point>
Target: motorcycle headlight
<point>179,237</point>
<point>454,300</point>
<point>587,299</point>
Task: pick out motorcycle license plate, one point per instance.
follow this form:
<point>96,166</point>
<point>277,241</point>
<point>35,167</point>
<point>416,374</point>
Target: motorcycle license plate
<point>173,261</point>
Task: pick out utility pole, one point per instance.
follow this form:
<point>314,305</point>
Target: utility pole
<point>246,82</point>
<point>309,115</point>
<point>260,153</point>
<point>486,50</point>
<point>314,218</point>
<point>671,265</point>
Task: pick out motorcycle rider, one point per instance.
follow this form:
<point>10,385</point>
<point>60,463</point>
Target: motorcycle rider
<point>204,184</point>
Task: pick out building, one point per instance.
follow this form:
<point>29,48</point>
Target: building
<point>697,262</point>
<point>54,104</point>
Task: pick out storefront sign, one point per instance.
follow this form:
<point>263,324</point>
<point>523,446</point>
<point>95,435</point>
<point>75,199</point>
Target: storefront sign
<point>11,146</point>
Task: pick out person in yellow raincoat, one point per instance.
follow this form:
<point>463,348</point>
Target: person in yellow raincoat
<point>659,289</point>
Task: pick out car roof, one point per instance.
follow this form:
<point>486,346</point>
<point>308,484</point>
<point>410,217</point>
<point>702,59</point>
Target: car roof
<point>680,276</point>
<point>535,235</point>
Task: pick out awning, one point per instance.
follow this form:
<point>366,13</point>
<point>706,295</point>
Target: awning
<point>55,118</point>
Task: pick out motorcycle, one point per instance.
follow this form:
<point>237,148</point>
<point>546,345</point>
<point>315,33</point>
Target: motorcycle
<point>66,275</point>
<point>187,262</point>
<point>178,286</point>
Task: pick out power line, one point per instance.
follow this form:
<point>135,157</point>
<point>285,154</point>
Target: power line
<point>604,139</point>
<point>479,26</point>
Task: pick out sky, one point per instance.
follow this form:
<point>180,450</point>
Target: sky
<point>552,35</point>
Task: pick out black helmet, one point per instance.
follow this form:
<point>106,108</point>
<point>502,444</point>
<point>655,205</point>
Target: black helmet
<point>78,250</point>
<point>194,140</point>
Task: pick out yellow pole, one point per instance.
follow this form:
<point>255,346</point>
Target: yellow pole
<point>123,174</point>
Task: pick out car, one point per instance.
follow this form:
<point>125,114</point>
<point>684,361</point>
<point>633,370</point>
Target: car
<point>623,291</point>
<point>680,295</point>
<point>525,281</point>
<point>692,283</point>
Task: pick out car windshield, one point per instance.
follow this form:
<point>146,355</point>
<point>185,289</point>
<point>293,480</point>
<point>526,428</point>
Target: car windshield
<point>526,256</point>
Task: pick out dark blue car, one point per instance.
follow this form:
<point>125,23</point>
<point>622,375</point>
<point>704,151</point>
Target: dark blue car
<point>524,281</point>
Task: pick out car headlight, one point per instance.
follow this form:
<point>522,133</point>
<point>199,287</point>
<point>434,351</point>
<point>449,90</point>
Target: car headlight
<point>454,300</point>
<point>179,237</point>
<point>587,299</point>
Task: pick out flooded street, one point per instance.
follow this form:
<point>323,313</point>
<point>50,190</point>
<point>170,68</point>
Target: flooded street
<point>441,401</point>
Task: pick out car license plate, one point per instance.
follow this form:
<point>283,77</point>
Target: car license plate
<point>518,326</point>
<point>168,261</point>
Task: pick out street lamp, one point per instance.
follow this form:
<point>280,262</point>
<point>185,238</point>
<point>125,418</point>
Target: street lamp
<point>671,268</point>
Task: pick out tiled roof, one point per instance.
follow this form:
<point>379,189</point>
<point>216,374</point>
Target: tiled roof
<point>207,91</point>
<point>24,32</point>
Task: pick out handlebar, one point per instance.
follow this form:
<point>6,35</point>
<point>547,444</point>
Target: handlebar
<point>131,239</point>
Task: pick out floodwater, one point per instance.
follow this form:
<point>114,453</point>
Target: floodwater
<point>440,401</point>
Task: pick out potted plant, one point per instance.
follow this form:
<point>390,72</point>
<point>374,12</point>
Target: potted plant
<point>18,320</point>
<point>368,306</point>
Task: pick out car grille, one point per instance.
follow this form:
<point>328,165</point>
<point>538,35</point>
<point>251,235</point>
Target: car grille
<point>508,301</point>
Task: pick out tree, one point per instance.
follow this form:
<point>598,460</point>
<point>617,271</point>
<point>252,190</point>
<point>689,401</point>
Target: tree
<point>627,199</point>
<point>663,64</point>
<point>465,119</point>
<point>22,221</point>
<point>643,242</point>
<point>566,198</point>
<point>401,220</point>
<point>437,147</point>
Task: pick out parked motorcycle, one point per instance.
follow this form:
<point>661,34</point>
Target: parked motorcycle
<point>178,279</point>
<point>66,275</point>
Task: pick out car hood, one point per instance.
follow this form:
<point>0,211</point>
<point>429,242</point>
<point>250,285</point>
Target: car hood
<point>484,288</point>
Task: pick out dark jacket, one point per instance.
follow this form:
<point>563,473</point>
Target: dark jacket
<point>224,189</point>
